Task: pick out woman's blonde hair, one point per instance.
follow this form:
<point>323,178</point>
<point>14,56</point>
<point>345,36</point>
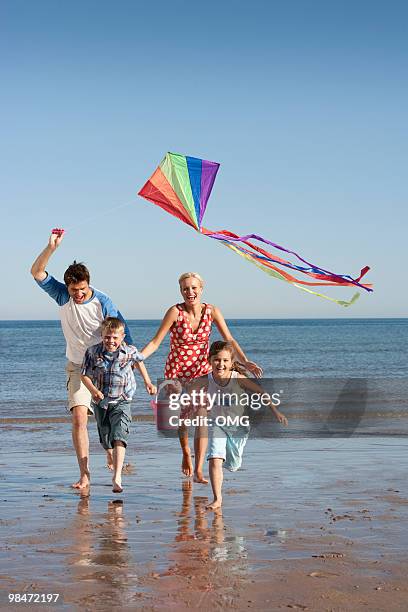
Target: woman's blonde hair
<point>191,275</point>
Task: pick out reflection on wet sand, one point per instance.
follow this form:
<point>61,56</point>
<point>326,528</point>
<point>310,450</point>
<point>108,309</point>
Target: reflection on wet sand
<point>101,564</point>
<point>315,516</point>
<point>203,557</point>
<point>208,528</point>
<point>207,559</point>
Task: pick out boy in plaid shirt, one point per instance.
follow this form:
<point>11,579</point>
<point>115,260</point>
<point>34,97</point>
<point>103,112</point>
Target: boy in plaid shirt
<point>107,372</point>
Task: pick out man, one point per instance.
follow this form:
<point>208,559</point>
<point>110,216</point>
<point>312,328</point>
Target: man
<point>82,310</point>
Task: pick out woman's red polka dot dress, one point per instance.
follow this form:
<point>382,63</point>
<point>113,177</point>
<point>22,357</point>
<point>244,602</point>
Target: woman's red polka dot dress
<point>188,357</point>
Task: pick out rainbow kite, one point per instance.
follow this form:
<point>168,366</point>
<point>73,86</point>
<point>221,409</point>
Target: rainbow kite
<point>181,185</point>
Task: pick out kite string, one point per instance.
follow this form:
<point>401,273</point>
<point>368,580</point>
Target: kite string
<point>97,216</point>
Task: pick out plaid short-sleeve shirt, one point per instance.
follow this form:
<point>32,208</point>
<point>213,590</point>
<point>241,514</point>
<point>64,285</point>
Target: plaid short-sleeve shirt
<point>112,373</point>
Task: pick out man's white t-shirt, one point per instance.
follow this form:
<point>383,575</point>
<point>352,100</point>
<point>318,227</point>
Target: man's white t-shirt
<point>81,323</point>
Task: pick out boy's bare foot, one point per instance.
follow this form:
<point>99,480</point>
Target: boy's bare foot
<point>109,459</point>
<point>187,464</point>
<point>217,503</point>
<point>127,468</point>
<point>199,477</point>
<point>116,486</point>
<point>83,482</point>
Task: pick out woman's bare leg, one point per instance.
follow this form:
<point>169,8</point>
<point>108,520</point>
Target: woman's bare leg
<point>200,447</point>
<point>186,464</point>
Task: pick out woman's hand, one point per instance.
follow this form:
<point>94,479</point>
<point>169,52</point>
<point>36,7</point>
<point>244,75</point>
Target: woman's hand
<point>252,367</point>
<point>170,387</point>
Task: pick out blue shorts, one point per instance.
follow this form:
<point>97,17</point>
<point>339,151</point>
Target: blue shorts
<point>113,419</point>
<point>227,443</point>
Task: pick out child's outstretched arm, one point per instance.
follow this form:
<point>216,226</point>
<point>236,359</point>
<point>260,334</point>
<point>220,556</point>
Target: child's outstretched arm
<point>250,385</point>
<point>149,386</point>
<point>97,395</point>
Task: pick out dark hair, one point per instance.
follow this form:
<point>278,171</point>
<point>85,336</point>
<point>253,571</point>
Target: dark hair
<point>113,324</point>
<point>76,273</point>
<point>218,346</point>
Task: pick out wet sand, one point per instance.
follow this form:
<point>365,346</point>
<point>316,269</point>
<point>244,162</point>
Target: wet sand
<point>308,524</point>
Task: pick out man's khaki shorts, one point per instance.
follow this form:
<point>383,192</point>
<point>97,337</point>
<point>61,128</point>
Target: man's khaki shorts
<point>78,394</point>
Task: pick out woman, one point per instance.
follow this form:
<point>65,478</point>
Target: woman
<point>190,325</point>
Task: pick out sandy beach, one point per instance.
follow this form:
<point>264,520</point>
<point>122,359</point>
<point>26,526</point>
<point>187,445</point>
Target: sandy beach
<point>307,524</point>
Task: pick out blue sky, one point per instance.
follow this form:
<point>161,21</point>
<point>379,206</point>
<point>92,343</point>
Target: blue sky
<point>303,104</point>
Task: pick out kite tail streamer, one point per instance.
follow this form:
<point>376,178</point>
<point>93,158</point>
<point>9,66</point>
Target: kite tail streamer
<point>279,276</point>
<point>267,264</point>
<point>312,270</point>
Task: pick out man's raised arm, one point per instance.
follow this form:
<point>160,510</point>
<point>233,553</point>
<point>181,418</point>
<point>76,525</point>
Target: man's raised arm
<point>38,267</point>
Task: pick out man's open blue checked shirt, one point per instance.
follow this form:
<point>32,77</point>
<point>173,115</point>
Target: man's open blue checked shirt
<point>112,373</point>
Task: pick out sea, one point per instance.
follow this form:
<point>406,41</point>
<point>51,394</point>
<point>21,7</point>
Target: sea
<point>335,377</point>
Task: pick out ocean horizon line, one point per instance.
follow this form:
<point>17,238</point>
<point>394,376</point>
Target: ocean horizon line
<point>384,318</point>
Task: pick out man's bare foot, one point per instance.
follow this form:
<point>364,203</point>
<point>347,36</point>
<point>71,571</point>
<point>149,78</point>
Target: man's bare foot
<point>198,477</point>
<point>109,459</point>
<point>217,503</point>
<point>187,464</point>
<point>116,486</point>
<point>83,482</point>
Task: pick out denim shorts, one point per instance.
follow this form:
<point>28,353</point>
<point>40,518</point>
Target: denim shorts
<point>113,418</point>
<point>227,443</point>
